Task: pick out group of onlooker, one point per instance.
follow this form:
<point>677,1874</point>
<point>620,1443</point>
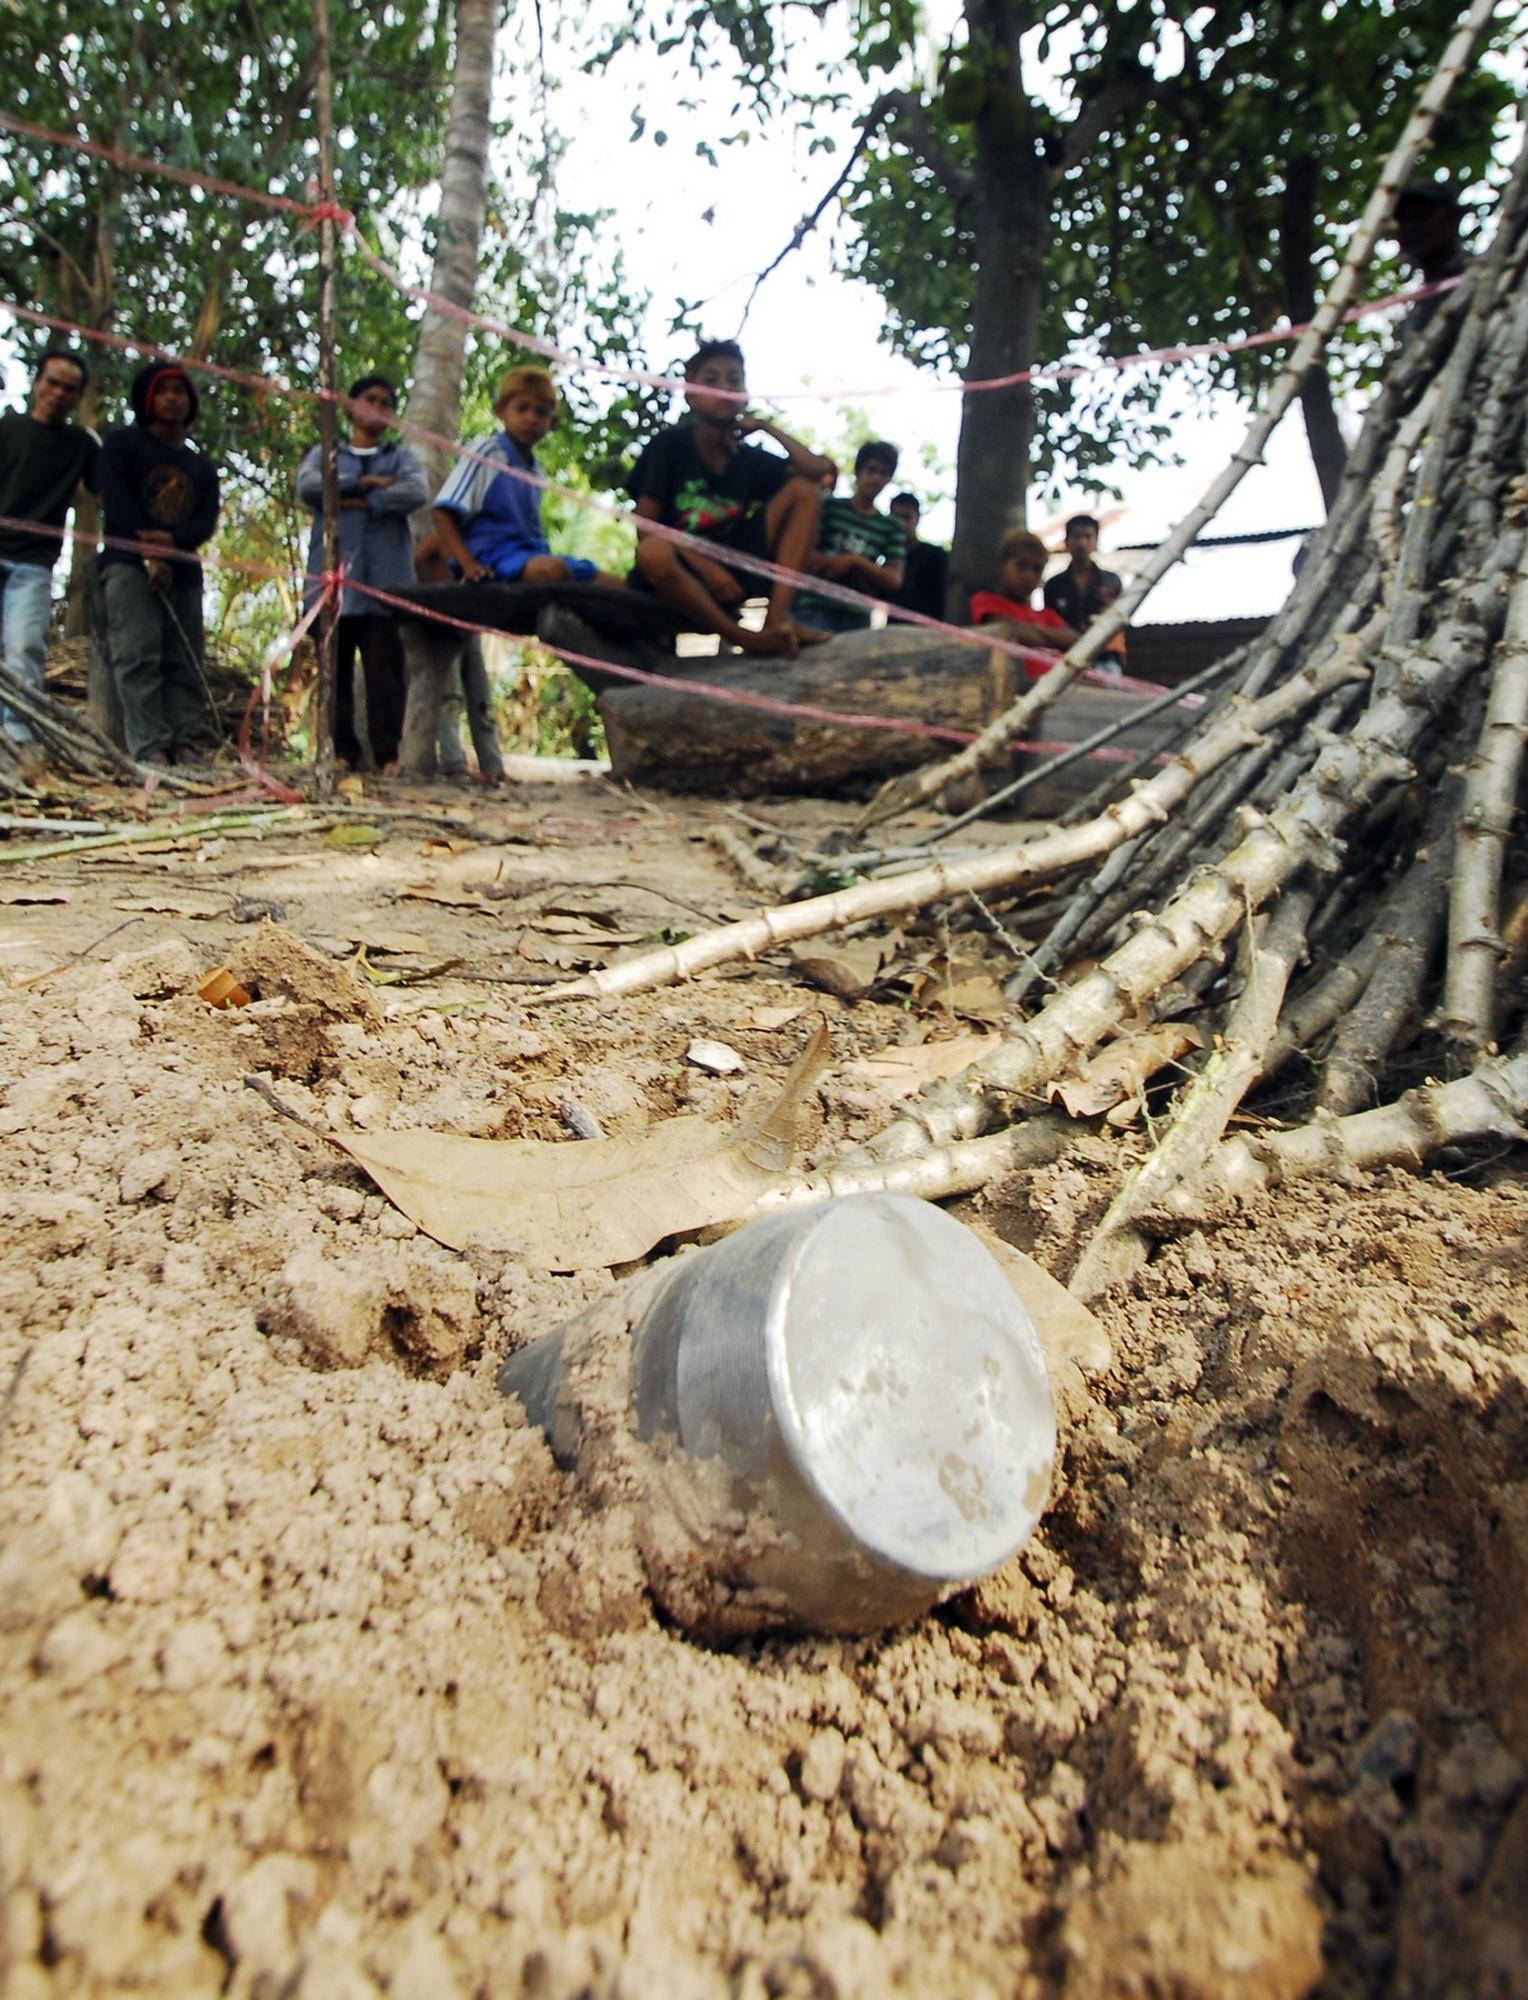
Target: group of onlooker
<point>159,502</point>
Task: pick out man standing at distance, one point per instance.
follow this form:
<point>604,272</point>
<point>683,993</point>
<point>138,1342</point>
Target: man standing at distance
<point>43,460</point>
<point>1078,593</point>
<point>162,494</point>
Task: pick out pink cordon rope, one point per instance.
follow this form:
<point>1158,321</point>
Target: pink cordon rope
<point>742,698</point>
<point>344,219</point>
<point>161,169</point>
<point>331,582</point>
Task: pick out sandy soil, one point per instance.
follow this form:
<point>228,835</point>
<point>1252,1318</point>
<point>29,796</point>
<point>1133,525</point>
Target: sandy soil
<point>321,1681</point>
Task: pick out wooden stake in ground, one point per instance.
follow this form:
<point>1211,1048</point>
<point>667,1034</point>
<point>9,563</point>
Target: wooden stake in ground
<point>328,415</point>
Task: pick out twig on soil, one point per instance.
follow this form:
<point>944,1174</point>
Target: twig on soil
<point>1475,947</point>
<point>1490,1103</point>
<point>1205,1105</point>
<point>1041,855</point>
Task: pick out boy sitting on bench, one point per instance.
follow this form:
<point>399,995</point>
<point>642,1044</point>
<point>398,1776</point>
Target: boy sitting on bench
<point>701,477</point>
<point>489,522</point>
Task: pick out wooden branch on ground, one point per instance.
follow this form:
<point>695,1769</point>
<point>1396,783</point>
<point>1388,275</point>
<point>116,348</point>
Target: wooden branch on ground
<point>937,1175</point>
<point>1205,1104</point>
<point>1490,1103</point>
<point>1475,948</point>
<point>1042,855</point>
<point>1301,832</point>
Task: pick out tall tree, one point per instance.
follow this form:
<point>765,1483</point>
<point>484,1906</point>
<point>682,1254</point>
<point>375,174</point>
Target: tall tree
<point>435,397</point>
<point>1094,177</point>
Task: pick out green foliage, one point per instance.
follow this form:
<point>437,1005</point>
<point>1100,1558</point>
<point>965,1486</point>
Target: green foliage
<point>542,709</point>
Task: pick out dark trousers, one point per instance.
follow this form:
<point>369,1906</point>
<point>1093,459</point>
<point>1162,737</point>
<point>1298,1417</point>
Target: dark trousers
<point>381,650</point>
<point>155,641</point>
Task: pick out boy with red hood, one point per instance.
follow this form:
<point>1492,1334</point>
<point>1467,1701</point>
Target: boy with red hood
<point>159,492</point>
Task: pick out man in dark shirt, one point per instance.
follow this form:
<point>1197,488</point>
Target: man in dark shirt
<point>43,460</point>
<point>925,567</point>
<point>1427,230</point>
<point>1080,591</point>
<point>157,491</point>
<point>702,478</point>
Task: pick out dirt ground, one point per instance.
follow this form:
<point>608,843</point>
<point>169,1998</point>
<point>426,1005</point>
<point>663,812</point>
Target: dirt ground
<point>321,1681</point>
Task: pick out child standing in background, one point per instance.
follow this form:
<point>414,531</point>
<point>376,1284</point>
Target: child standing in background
<point>489,521</point>
<point>380,485</point>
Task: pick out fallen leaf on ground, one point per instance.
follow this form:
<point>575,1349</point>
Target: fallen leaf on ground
<point>714,1056</point>
<point>454,895</point>
<point>1115,1078</point>
<point>564,953</point>
<point>1067,1330</point>
<point>769,1017</point>
<point>350,834</point>
<point>903,1071</point>
<point>394,943</point>
<point>846,970</point>
<point>31,892</point>
<point>583,1203</point>
<point>961,987</point>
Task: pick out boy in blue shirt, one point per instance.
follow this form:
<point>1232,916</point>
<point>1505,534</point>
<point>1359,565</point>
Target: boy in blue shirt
<point>490,522</point>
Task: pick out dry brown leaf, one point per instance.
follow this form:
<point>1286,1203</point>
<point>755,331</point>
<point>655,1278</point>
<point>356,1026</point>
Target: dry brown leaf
<point>454,895</point>
<point>769,1017</point>
<point>1115,1078</point>
<point>846,970</point>
<point>1067,1330</point>
<point>565,953</point>
<point>31,892</point>
<point>962,987</point>
<point>903,1071</point>
<point>590,1202</point>
<point>394,944</point>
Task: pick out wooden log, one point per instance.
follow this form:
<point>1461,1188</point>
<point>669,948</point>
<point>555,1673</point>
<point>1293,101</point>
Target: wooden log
<point>679,742</point>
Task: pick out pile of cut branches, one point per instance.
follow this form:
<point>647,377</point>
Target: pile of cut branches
<point>1328,880</point>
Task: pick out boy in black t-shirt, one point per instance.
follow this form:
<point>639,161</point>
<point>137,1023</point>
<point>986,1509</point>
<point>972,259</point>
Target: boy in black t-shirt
<point>699,476</point>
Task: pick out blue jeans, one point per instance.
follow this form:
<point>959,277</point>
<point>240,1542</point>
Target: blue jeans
<point>26,603</point>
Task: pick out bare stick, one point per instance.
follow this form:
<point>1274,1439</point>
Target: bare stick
<point>1490,1103</point>
<point>1391,999</point>
<point>937,1175</point>
<point>994,739</point>
<point>1043,855</point>
<point>1475,948</point>
<point>1204,1107</point>
<point>1344,780</point>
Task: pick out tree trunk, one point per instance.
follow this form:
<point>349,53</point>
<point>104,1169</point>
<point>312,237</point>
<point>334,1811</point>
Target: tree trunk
<point>435,393</point>
<point>694,743</point>
<point>1329,452</point>
<point>1010,216</point>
